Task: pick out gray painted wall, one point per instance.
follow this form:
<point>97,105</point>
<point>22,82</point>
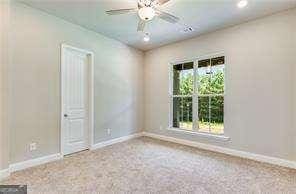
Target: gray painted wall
<point>4,60</point>
<point>259,84</point>
<point>34,82</point>
<point>294,90</point>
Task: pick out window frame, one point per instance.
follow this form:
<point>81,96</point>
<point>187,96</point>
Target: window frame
<point>195,95</point>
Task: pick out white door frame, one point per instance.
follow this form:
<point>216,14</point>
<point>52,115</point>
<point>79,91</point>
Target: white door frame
<point>90,69</point>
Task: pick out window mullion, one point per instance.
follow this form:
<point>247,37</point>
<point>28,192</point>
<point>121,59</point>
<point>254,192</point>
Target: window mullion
<point>210,115</point>
<point>210,111</point>
<point>195,97</point>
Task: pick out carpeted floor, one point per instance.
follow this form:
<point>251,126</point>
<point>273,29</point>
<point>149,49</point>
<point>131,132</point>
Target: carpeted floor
<point>145,165</point>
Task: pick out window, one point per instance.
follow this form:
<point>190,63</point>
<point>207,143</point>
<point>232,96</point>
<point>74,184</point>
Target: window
<point>182,95</point>
<point>197,96</point>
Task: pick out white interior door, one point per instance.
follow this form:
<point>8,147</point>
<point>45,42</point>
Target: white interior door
<point>75,106</point>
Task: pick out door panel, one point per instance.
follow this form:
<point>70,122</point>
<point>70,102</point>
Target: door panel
<point>75,132</point>
<point>75,101</point>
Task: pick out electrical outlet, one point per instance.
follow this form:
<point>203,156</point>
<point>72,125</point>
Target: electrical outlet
<point>33,146</point>
<point>109,131</point>
<point>160,127</point>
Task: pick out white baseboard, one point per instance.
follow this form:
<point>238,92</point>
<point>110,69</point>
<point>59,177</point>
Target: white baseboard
<point>242,154</point>
<point>116,140</point>
<point>34,162</point>
<point>4,173</point>
<point>50,158</point>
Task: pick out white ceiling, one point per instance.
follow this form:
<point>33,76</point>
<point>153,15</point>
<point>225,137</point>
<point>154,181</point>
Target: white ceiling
<point>203,15</point>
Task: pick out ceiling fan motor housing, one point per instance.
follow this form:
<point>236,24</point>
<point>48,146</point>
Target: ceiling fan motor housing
<point>146,13</point>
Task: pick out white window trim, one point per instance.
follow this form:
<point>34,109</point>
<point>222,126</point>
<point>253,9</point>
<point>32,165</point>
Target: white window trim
<point>195,95</point>
<point>220,137</point>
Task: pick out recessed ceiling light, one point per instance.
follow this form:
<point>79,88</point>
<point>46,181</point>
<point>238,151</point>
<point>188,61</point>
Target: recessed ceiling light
<point>242,3</point>
<point>146,38</point>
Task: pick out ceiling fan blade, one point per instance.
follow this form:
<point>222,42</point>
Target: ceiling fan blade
<point>120,11</point>
<point>141,25</point>
<point>167,17</point>
<point>161,2</point>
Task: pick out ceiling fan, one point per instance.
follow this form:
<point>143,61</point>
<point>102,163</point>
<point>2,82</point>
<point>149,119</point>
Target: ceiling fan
<point>147,10</point>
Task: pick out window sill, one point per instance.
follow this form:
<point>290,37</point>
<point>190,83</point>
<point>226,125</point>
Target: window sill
<point>201,134</point>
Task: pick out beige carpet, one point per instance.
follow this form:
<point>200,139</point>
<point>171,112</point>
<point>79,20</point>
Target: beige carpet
<point>145,165</point>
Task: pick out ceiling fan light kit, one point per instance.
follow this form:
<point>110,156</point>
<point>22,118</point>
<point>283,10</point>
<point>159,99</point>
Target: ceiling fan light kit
<point>242,4</point>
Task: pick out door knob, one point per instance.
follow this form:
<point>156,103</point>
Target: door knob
<point>65,115</point>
